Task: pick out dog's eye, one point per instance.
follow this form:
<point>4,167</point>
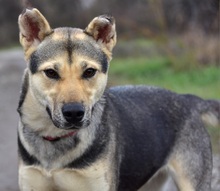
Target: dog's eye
<point>88,73</point>
<point>50,73</point>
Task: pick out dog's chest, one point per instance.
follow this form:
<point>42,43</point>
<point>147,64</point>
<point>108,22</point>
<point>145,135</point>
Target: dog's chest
<point>37,179</point>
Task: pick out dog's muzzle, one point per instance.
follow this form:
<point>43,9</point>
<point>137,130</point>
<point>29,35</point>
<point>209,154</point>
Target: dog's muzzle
<point>69,116</point>
<point>73,113</point>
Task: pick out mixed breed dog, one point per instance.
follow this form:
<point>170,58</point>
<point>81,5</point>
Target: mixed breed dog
<point>76,135</point>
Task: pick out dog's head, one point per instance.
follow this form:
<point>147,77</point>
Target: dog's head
<point>67,67</point>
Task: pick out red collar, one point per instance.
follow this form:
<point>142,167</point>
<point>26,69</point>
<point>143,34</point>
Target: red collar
<point>49,138</point>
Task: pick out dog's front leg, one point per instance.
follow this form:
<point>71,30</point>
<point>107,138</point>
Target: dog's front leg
<point>32,179</point>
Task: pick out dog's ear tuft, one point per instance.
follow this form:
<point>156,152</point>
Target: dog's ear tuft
<point>33,29</point>
<point>102,29</point>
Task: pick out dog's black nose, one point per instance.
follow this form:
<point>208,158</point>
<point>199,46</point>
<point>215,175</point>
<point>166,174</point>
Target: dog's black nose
<point>73,112</point>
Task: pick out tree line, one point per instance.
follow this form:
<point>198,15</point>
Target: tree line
<point>139,18</point>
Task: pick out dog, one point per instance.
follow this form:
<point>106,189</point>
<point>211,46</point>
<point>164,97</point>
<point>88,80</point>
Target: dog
<point>74,134</point>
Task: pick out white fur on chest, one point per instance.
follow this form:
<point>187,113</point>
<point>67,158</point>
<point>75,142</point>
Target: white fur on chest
<point>94,178</point>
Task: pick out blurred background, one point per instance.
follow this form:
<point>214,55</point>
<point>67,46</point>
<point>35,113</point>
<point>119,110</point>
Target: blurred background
<point>170,43</point>
<point>173,44</point>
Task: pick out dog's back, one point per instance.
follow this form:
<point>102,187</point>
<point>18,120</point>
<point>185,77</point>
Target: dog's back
<point>155,128</point>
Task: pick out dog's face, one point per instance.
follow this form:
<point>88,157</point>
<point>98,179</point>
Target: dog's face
<point>67,66</point>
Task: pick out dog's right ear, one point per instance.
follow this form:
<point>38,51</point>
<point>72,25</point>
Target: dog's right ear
<point>33,29</point>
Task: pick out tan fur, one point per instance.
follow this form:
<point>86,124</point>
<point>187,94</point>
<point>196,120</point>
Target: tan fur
<point>71,88</point>
<point>157,182</point>
<point>179,174</point>
<point>38,179</point>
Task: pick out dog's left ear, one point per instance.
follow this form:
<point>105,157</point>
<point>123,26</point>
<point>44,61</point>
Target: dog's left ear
<point>102,29</point>
<point>33,29</point>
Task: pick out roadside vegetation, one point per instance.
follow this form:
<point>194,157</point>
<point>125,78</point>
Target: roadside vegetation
<point>155,63</point>
<point>158,71</point>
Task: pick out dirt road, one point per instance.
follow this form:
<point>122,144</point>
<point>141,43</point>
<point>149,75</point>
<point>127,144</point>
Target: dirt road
<point>11,68</point>
<point>12,65</point>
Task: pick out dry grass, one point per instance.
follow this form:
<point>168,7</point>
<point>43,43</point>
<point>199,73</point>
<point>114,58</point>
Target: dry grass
<point>205,47</point>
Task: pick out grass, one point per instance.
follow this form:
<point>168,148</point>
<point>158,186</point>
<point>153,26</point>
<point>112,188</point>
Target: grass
<point>158,71</point>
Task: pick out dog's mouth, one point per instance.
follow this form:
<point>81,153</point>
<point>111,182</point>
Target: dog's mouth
<point>57,138</point>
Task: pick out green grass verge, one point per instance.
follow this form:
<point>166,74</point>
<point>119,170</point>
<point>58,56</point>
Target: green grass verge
<point>202,81</point>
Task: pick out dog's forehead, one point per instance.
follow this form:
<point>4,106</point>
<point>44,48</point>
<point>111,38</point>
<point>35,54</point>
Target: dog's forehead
<point>71,42</point>
<point>68,33</point>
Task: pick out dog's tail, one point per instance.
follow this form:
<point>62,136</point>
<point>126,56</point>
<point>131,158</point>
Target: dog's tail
<point>210,110</point>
